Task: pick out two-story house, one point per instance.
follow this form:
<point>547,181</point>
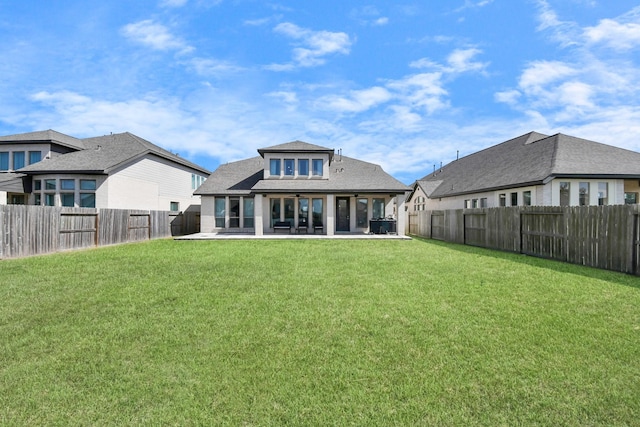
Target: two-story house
<point>533,169</point>
<point>303,186</point>
<point>120,171</point>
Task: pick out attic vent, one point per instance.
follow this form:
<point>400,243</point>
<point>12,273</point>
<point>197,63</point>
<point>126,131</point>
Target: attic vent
<point>338,170</point>
<point>98,147</point>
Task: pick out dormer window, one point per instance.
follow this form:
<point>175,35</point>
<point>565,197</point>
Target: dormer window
<point>317,167</point>
<point>289,167</point>
<point>303,167</point>
<point>274,167</point>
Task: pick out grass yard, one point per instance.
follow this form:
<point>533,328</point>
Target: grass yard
<point>315,332</point>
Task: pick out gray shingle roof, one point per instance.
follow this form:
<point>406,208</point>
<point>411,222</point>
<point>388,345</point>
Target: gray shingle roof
<point>45,136</point>
<point>105,153</point>
<point>347,175</point>
<point>235,178</point>
<point>530,159</point>
<point>296,146</point>
<point>12,182</point>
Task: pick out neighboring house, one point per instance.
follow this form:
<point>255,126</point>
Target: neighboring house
<point>533,169</point>
<point>121,171</point>
<point>307,187</point>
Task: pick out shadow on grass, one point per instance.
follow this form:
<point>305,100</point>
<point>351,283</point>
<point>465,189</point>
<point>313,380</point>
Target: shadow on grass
<point>555,265</point>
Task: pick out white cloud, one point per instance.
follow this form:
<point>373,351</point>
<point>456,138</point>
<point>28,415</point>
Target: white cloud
<point>458,61</point>
<point>154,35</point>
<point>357,100</point>
<point>369,15</point>
<point>618,36</point>
<point>213,67</point>
<point>286,97</point>
<point>542,73</point>
<point>510,97</point>
<point>380,21</point>
<point>461,60</point>
<point>173,3</point>
<point>423,91</point>
<point>566,33</point>
<point>314,45</point>
<point>473,4</point>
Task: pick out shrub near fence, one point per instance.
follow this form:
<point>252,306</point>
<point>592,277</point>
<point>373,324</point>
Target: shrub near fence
<point>33,230</point>
<point>606,237</point>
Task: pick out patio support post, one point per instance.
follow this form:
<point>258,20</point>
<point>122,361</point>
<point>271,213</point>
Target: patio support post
<point>257,215</point>
<point>401,215</point>
<point>331,214</point>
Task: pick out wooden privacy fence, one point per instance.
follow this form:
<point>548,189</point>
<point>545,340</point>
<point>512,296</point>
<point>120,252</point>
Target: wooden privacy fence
<point>606,237</point>
<point>32,230</point>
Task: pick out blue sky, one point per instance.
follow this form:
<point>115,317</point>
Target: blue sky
<point>406,85</point>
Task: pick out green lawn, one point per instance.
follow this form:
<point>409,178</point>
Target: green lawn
<point>315,332</point>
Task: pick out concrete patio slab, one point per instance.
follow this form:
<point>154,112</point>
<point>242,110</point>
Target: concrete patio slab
<point>279,236</point>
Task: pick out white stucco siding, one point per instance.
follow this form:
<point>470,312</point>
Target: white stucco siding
<point>151,183</point>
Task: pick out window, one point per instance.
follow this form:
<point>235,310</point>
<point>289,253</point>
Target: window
<point>87,200</point>
<point>34,157</point>
<point>303,167</point>
<point>502,199</point>
<point>248,212</point>
<point>87,184</point>
<point>603,192</point>
<point>630,198</point>
<point>174,206</point>
<point>289,211</point>
<point>219,209</point>
<point>483,202</point>
<point>565,193</point>
<point>467,203</point>
<point>526,198</point>
<point>275,211</point>
<point>317,167</point>
<point>67,199</point>
<point>196,181</point>
<point>583,190</point>
<point>4,161</point>
<point>50,199</point>
<point>49,184</point>
<point>362,209</point>
<point>234,212</point>
<point>317,212</point>
<point>18,159</point>
<point>514,199</point>
<point>274,167</point>
<point>474,203</point>
<point>67,184</point>
<point>289,167</point>
<point>303,212</point>
<point>378,209</point>
<point>37,185</point>
<point>37,199</point>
